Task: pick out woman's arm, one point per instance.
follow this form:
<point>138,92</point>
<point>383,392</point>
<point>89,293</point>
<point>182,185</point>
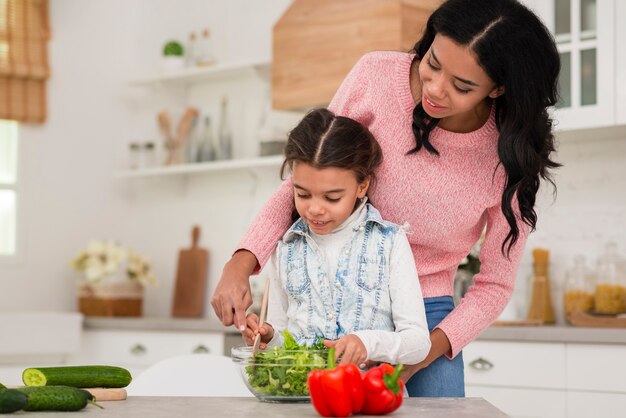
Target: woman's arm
<point>410,343</point>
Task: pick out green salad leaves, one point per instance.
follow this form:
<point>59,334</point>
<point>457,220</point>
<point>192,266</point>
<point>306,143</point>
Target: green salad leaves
<point>282,371</point>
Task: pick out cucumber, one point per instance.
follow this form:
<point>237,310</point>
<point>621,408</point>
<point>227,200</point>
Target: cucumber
<point>55,398</point>
<point>12,400</point>
<point>78,376</point>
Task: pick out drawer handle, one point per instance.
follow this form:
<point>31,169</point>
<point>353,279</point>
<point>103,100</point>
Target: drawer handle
<point>138,349</point>
<point>201,349</point>
<point>481,364</point>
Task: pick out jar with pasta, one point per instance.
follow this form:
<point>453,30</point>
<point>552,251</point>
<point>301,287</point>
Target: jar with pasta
<point>578,294</point>
<point>610,289</point>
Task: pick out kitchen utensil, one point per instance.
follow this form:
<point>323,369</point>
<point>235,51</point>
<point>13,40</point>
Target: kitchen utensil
<point>257,339</point>
<point>165,126</point>
<point>541,301</point>
<point>182,133</point>
<point>108,394</point>
<point>191,279</point>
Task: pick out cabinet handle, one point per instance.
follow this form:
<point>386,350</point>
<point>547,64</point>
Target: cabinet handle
<point>481,364</point>
<point>201,349</point>
<point>138,349</point>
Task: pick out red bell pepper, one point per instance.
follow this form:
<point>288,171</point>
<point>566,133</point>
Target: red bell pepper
<point>383,390</point>
<point>336,391</point>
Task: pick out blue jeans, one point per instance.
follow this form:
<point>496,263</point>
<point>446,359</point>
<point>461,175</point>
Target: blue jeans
<point>443,377</point>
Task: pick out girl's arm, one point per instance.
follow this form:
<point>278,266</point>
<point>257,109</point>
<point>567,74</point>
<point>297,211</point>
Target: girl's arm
<point>410,343</point>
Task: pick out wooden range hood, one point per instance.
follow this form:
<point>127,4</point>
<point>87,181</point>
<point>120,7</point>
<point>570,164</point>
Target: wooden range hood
<point>316,43</point>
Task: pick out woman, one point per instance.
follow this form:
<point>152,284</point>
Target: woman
<point>463,124</point>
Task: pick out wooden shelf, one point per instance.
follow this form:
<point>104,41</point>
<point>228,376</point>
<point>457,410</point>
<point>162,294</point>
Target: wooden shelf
<point>197,74</point>
<point>183,169</point>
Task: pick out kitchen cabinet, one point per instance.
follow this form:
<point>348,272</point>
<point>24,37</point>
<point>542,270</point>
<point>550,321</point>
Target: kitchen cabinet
<point>556,379</point>
<point>590,39</point>
<point>137,350</point>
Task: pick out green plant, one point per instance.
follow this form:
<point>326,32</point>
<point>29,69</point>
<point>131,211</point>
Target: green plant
<point>173,48</point>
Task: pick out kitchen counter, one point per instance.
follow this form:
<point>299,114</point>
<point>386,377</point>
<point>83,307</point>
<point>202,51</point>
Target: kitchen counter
<point>189,407</point>
<point>547,333</point>
<point>555,334</point>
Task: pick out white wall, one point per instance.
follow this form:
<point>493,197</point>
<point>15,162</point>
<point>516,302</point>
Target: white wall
<point>69,195</point>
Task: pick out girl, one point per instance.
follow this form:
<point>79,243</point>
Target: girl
<point>340,271</point>
<point>464,125</point>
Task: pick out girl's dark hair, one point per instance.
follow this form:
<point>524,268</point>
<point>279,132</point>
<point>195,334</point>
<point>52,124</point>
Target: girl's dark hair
<point>323,140</point>
<point>518,53</point>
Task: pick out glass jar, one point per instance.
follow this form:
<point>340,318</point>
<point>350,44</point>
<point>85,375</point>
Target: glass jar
<point>134,155</point>
<point>149,155</point>
<point>610,290</point>
<point>578,293</point>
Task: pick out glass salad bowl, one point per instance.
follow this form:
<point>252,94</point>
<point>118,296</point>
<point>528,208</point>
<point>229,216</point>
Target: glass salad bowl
<point>277,374</point>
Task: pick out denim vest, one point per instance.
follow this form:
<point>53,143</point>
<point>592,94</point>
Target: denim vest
<point>360,297</point>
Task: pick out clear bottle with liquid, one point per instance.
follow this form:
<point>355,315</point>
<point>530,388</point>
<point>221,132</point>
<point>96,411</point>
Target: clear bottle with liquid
<point>205,55</point>
<point>225,137</point>
<point>610,289</point>
<point>578,293</point>
<point>206,150</point>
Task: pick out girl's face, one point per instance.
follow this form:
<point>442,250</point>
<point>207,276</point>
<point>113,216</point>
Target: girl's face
<point>455,86</point>
<point>325,197</point>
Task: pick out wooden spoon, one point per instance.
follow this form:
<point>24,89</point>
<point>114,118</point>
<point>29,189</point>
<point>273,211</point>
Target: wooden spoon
<point>266,292</point>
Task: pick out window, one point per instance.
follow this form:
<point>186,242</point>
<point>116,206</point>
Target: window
<point>8,188</point>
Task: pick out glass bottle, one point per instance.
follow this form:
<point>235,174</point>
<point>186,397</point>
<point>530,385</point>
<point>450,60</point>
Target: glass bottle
<point>133,156</point>
<point>193,142</point>
<point>192,50</point>
<point>149,155</point>
<point>578,294</point>
<point>225,137</point>
<point>206,151</point>
<point>610,290</point>
<point>205,54</point>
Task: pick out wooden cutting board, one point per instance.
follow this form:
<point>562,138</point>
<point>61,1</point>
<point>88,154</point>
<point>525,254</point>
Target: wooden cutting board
<point>584,319</point>
<point>108,394</point>
<point>191,279</point>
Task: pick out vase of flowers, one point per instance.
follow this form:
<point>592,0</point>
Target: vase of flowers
<point>112,279</point>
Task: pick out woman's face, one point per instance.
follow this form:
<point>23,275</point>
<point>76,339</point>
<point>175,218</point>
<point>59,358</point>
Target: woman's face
<point>454,85</point>
<point>325,197</point>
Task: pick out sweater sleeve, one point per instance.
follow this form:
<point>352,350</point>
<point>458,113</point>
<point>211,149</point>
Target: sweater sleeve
<point>493,285</point>
<point>269,225</point>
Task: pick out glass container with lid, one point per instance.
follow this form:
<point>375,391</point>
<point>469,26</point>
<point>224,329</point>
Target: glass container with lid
<point>578,294</point>
<point>610,289</point>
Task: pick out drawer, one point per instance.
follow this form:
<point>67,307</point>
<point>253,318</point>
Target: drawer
<point>523,402</point>
<point>596,367</point>
<point>140,349</point>
<point>588,404</point>
<point>515,364</point>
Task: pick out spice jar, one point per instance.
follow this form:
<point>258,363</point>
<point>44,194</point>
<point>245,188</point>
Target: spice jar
<point>610,290</point>
<point>578,295</point>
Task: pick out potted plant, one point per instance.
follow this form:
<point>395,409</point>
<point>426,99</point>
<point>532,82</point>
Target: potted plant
<point>112,280</point>
<point>173,56</point>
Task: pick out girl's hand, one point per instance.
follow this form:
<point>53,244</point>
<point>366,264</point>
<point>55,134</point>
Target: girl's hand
<point>349,348</point>
<point>252,329</point>
<point>232,295</point>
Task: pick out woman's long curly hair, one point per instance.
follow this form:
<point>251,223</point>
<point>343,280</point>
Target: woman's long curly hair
<point>518,53</point>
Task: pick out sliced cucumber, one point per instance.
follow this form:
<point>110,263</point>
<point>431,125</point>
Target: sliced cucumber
<point>78,376</point>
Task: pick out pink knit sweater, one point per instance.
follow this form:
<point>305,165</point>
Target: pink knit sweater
<point>446,200</point>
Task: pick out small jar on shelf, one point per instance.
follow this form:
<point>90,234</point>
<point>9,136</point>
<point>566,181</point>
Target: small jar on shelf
<point>134,154</point>
<point>578,294</point>
<point>610,289</point>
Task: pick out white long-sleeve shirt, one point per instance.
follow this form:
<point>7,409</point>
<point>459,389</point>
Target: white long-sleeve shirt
<point>410,342</point>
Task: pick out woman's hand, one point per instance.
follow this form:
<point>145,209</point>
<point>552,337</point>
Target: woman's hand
<point>439,345</point>
<point>232,295</point>
<point>349,348</point>
<point>252,329</point>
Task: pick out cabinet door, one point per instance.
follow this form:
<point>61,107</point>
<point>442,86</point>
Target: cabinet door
<point>142,349</point>
<point>596,367</point>
<point>585,33</point>
<point>589,404</point>
<point>515,364</point>
<point>523,402</point>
